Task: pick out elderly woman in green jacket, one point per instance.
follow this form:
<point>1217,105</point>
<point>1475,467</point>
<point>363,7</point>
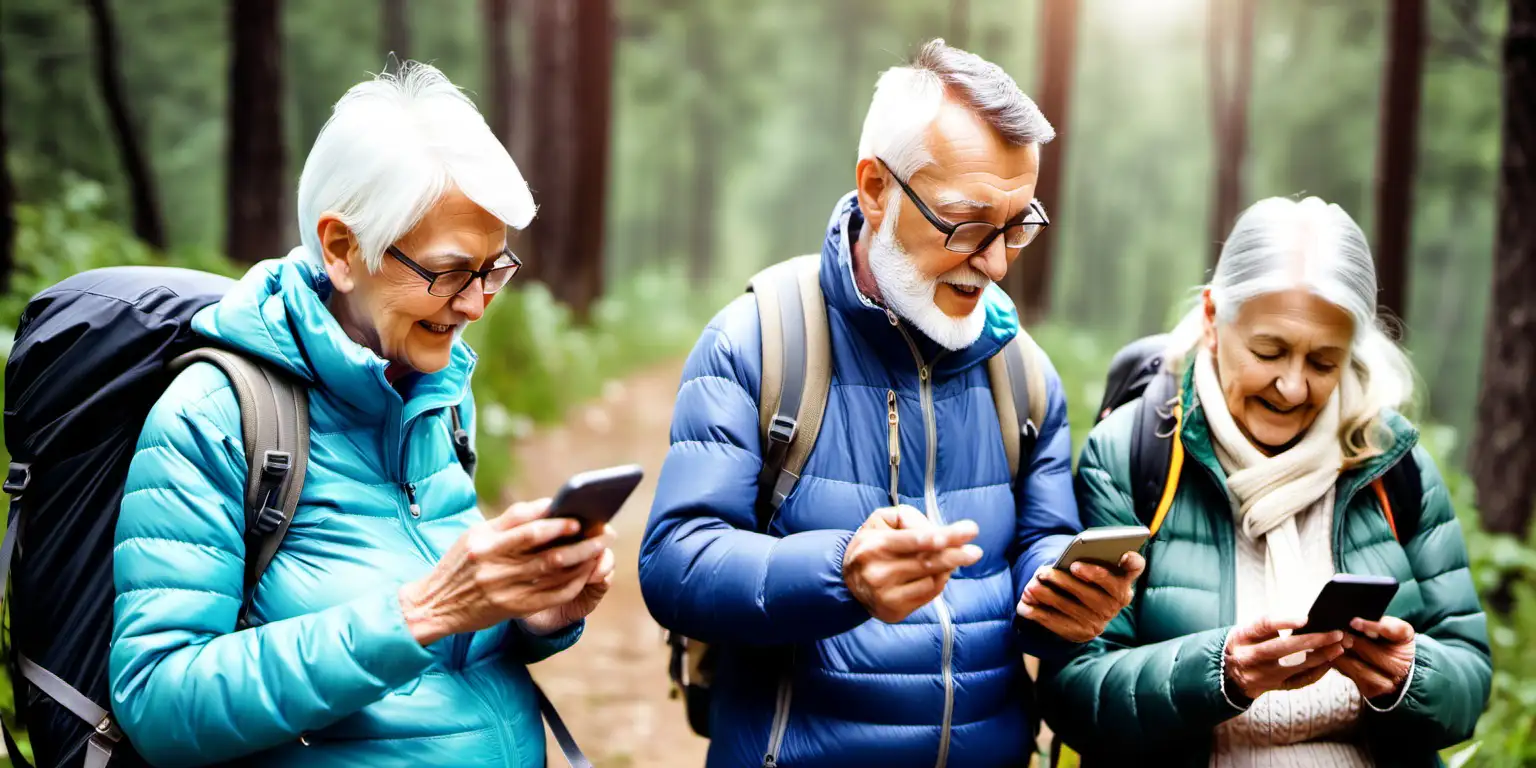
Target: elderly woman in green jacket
<point>1287,420</point>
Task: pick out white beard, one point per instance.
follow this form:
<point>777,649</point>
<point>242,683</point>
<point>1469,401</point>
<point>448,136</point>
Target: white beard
<point>910,294</point>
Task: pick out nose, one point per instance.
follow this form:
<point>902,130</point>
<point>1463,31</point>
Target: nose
<point>471,301</point>
<point>1292,385</point>
<point>992,261</point>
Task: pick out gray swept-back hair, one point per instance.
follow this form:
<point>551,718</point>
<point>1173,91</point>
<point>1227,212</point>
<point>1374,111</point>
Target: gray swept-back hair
<point>1280,244</point>
<point>393,146</point>
<point>907,99</point>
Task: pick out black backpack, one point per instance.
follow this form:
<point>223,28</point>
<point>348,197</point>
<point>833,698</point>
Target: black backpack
<point>91,356</point>
<point>1137,375</point>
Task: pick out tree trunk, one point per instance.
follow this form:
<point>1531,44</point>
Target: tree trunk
<point>701,225</point>
<point>573,62</point>
<point>256,196</point>
<point>960,22</point>
<point>1398,151</point>
<point>7,201</point>
<point>596,33</point>
<point>397,30</point>
<point>1058,51</point>
<point>148,223</point>
<point>498,15</point>
<point>1504,451</point>
<point>1229,45</point>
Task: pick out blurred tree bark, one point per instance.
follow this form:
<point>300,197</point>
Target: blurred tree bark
<point>148,223</point>
<point>705,130</point>
<point>1398,149</point>
<point>1031,276</point>
<point>498,18</point>
<point>257,181</point>
<point>1504,449</point>
<point>573,45</point>
<point>397,30</point>
<point>7,199</point>
<point>1229,54</point>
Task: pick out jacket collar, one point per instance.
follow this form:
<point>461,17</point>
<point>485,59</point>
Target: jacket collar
<point>873,321</point>
<point>278,313</point>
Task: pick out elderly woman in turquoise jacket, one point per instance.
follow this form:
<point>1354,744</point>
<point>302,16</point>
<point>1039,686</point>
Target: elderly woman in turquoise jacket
<point>394,625</point>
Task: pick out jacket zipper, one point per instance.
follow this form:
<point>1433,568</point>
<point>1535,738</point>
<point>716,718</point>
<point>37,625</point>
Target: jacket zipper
<point>780,714</point>
<point>895,444</point>
<point>931,501</point>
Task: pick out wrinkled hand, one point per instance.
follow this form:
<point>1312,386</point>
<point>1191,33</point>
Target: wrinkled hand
<point>899,561</point>
<point>551,620</point>
<point>1380,658</point>
<point>1077,606</point>
<point>499,570</point>
<point>1254,653</point>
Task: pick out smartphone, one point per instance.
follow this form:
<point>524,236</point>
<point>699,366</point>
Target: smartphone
<point>1103,546</point>
<point>1347,597</point>
<point>594,497</point>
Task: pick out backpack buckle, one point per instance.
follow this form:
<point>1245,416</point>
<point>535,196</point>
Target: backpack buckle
<point>781,429</point>
<point>17,478</point>
<point>275,465</point>
<point>109,729</point>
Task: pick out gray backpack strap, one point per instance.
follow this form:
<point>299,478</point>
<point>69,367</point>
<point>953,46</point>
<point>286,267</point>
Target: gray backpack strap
<point>796,374</point>
<point>1018,391</point>
<point>463,442</point>
<point>98,749</point>
<point>274,422</point>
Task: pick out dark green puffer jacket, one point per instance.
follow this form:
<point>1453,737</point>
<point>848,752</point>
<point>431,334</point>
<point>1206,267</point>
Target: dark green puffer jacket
<point>1149,688</point>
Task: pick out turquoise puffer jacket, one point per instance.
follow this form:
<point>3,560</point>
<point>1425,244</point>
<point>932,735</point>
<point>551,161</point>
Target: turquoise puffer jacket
<point>328,675</point>
<point>1148,691</point>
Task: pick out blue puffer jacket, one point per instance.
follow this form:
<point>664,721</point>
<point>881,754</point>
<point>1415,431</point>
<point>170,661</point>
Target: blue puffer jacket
<point>329,657</point>
<point>945,686</point>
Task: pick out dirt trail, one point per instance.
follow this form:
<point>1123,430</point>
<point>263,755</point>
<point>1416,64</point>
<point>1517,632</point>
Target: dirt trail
<point>612,688</point>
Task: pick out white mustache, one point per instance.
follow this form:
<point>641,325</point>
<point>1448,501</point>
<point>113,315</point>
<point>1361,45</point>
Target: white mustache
<point>965,278</point>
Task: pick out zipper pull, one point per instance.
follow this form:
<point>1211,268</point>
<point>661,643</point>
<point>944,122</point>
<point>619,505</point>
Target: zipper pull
<point>891,316</point>
<point>410,496</point>
<point>922,373</point>
<point>894,420</point>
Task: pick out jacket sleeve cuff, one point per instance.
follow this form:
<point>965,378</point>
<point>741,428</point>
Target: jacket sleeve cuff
<point>1402,693</point>
<point>1236,699</point>
<point>531,648</point>
<point>804,583</point>
<point>1197,680</point>
<point>381,642</point>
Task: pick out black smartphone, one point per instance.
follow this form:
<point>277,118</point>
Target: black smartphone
<point>594,497</point>
<point>1347,597</point>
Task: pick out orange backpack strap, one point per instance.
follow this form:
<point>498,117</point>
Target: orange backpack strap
<point>1386,505</point>
<point>1175,465</point>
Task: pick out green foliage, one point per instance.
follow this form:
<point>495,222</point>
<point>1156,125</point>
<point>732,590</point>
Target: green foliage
<point>535,363</point>
<point>1506,735</point>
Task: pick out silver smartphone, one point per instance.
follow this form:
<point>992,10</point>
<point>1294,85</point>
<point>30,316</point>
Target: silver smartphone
<point>1103,546</point>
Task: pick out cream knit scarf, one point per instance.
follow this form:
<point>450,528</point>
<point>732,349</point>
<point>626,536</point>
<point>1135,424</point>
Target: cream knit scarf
<point>1272,490</point>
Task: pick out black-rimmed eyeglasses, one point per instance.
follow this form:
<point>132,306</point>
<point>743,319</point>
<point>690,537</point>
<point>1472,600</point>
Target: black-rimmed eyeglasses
<point>450,282</point>
<point>975,236</point>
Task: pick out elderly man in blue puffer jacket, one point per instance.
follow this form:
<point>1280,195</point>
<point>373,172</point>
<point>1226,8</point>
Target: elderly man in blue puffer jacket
<point>803,675</point>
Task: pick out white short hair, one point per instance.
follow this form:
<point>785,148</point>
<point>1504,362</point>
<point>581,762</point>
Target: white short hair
<point>1281,244</point>
<point>907,99</point>
<point>392,148</point>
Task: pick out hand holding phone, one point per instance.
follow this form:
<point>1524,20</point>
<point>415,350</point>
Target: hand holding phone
<point>1088,585</point>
